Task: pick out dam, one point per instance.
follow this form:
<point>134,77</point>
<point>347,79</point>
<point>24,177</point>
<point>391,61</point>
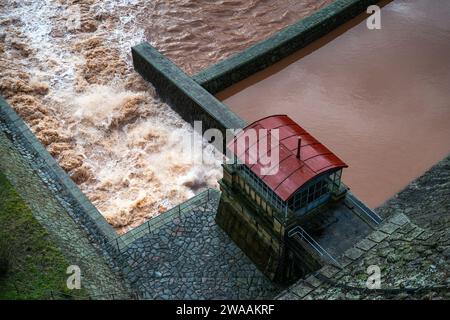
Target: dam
<point>97,153</point>
<point>75,87</point>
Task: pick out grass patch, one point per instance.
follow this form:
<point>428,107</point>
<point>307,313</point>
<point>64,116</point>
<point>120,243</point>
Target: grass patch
<point>31,265</point>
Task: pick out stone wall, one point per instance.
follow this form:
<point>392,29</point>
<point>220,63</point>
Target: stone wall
<point>183,94</point>
<point>72,201</point>
<point>59,207</point>
<point>287,41</point>
<point>412,249</point>
<point>64,189</point>
<point>261,236</point>
<point>254,242</point>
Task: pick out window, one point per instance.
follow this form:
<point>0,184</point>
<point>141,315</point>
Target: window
<point>312,193</point>
<point>335,178</point>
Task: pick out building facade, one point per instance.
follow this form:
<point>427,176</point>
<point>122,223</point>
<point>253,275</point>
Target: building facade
<point>261,203</point>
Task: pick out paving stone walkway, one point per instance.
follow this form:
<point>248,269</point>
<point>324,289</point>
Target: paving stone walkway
<point>412,249</point>
<point>192,258</point>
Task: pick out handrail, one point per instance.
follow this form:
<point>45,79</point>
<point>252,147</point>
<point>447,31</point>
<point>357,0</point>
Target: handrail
<point>367,211</point>
<point>123,241</point>
<point>165,217</point>
<point>298,231</point>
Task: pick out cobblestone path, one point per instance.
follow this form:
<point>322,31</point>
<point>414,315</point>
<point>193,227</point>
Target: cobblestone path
<point>192,258</point>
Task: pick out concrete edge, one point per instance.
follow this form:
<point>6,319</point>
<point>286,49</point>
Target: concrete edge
<point>190,100</point>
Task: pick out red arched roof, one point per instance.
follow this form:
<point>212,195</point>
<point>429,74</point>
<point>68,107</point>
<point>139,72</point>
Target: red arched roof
<point>292,173</point>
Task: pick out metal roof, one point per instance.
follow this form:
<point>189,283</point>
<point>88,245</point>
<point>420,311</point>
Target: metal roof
<point>293,173</point>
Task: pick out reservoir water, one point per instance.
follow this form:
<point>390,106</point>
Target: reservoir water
<point>379,99</point>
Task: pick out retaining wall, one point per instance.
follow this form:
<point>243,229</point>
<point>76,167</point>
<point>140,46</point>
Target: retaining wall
<point>182,93</point>
<point>57,180</point>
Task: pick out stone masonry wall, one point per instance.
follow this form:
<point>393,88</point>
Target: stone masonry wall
<point>26,171</point>
<point>184,95</point>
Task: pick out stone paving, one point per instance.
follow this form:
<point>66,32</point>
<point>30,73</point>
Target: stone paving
<point>192,258</point>
<point>412,249</point>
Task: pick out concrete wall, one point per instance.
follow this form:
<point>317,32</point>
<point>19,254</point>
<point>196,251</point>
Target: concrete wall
<point>287,41</point>
<point>182,93</point>
<point>259,233</point>
<point>263,248</point>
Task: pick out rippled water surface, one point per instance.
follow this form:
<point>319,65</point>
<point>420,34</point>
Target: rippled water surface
<point>196,34</point>
<point>66,69</point>
<point>380,99</point>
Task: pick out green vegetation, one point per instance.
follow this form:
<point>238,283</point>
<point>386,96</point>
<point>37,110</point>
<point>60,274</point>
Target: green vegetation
<point>31,266</point>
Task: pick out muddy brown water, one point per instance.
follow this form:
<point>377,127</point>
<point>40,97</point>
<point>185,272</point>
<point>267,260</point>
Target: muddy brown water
<point>379,99</point>
<point>197,34</point>
<point>66,69</point>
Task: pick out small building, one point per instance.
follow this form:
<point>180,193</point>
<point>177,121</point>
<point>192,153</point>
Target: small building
<point>258,207</point>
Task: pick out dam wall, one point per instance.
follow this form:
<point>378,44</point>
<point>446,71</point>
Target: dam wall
<point>183,94</point>
<point>57,180</point>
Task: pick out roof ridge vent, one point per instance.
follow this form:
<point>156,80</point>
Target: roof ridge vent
<point>298,147</point>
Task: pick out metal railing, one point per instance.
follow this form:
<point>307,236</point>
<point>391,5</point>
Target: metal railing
<point>371,215</point>
<point>128,238</point>
<point>300,234</point>
<point>121,243</point>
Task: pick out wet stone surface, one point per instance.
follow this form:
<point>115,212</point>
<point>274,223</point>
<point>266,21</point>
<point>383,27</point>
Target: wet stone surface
<point>192,258</point>
<point>411,248</point>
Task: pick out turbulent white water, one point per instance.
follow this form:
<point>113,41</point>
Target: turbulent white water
<point>76,89</point>
<point>66,69</point>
